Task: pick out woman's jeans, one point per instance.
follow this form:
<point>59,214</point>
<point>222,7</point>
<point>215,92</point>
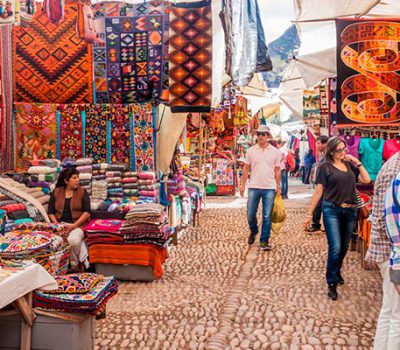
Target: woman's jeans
<point>284,182</point>
<point>338,224</point>
<point>268,197</point>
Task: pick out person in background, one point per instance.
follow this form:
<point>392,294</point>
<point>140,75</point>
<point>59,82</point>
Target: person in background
<point>296,170</point>
<point>309,160</point>
<point>321,147</point>
<point>284,171</point>
<point>336,183</point>
<point>263,162</point>
<point>387,335</point>
<point>70,204</point>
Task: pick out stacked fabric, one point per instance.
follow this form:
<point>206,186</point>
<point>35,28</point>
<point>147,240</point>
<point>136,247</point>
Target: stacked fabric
<point>114,181</point>
<point>130,184</point>
<point>78,293</point>
<point>99,171</point>
<point>85,168</point>
<point>176,184</point>
<point>146,223</point>
<point>46,248</point>
<point>148,187</point>
<point>43,174</point>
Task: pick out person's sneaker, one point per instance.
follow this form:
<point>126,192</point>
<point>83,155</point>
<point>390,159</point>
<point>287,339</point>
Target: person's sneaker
<point>341,280</point>
<point>265,246</point>
<point>313,228</point>
<point>251,239</point>
<point>332,292</point>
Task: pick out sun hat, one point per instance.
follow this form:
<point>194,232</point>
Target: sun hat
<point>264,129</point>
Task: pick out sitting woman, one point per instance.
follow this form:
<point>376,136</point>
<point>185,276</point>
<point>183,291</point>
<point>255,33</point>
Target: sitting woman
<point>70,204</point>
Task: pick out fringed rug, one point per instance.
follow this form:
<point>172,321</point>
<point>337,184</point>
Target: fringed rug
<point>190,54</point>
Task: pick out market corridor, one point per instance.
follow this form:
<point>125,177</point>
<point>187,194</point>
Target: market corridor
<point>217,293</point>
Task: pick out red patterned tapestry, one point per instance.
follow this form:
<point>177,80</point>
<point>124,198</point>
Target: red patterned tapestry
<point>51,64</point>
<point>190,54</point>
<point>95,139</point>
<point>70,131</point>
<point>144,146</point>
<point>368,66</point>
<point>36,132</point>
<point>120,134</point>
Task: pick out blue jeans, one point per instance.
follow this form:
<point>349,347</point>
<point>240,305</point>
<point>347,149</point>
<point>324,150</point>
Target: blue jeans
<point>284,182</point>
<point>338,224</point>
<point>254,197</point>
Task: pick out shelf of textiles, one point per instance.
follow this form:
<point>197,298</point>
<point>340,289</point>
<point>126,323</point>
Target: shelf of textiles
<point>43,243</point>
<point>372,150</point>
<point>222,181</point>
<point>141,239</point>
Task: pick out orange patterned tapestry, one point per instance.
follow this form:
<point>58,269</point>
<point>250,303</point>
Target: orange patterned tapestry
<point>368,68</point>
<point>51,64</point>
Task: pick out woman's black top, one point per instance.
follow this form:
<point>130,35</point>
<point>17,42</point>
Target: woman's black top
<point>339,186</point>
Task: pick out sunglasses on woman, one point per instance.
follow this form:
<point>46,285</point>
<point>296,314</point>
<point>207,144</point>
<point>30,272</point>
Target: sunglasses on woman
<point>341,150</point>
<point>262,134</point>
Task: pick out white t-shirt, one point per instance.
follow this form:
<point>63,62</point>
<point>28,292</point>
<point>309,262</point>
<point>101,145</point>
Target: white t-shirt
<point>262,166</point>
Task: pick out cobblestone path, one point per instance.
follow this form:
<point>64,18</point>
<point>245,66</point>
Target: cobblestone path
<point>218,294</point>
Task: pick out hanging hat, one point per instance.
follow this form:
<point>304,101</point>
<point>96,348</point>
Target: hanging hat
<point>265,129</point>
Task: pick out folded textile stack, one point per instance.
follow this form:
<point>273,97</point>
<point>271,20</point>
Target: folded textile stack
<point>99,189</point>
<point>130,184</point>
<point>176,184</point>
<point>46,248</point>
<point>148,187</point>
<point>114,181</point>
<point>43,174</point>
<point>85,168</point>
<point>78,293</point>
<point>99,171</point>
<point>146,223</point>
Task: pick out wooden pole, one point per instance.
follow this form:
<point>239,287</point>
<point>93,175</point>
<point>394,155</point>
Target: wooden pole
<point>200,146</point>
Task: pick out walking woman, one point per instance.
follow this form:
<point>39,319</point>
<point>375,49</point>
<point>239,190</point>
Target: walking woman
<point>336,182</point>
<point>70,204</point>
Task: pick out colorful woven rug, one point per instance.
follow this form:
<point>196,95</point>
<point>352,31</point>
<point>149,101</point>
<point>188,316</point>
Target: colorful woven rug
<point>144,147</point>
<point>368,72</point>
<point>70,132</point>
<point>36,132</point>
<point>190,54</point>
<point>129,57</point>
<point>51,64</point>
<point>120,134</point>
<point>96,117</point>
<point>223,172</point>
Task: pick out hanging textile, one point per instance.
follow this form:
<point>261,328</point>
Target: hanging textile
<point>51,64</point>
<point>70,132</point>
<point>36,132</point>
<point>324,101</point>
<point>6,106</point>
<point>223,172</point>
<point>95,140</point>
<point>311,104</point>
<point>368,71</point>
<point>143,115</point>
<point>120,134</point>
<point>130,54</point>
<point>190,54</point>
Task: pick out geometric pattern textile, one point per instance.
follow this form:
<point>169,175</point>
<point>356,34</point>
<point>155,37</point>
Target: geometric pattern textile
<point>144,145</point>
<point>368,66</point>
<point>70,131</point>
<point>129,56</point>
<point>95,139</point>
<point>120,134</point>
<point>51,63</point>
<point>190,55</point>
<point>36,132</point>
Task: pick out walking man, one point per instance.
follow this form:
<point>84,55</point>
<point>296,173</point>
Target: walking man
<point>263,162</point>
<point>321,148</point>
<point>387,335</point>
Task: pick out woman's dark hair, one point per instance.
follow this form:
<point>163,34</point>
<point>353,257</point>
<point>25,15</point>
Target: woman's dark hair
<point>65,175</point>
<point>323,139</point>
<point>331,146</point>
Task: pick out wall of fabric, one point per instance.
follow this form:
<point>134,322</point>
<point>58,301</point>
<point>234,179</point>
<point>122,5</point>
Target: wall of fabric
<point>368,87</point>
<point>107,133</point>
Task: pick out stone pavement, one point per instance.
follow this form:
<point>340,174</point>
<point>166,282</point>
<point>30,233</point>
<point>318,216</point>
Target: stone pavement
<point>219,294</point>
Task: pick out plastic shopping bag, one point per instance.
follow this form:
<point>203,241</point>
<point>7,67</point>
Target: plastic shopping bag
<point>278,214</point>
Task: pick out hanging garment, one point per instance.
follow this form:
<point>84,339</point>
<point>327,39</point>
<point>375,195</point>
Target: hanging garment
<point>391,148</point>
<point>370,151</point>
<point>352,144</point>
<point>54,9</point>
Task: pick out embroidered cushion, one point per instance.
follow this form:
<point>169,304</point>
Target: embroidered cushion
<point>76,283</point>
